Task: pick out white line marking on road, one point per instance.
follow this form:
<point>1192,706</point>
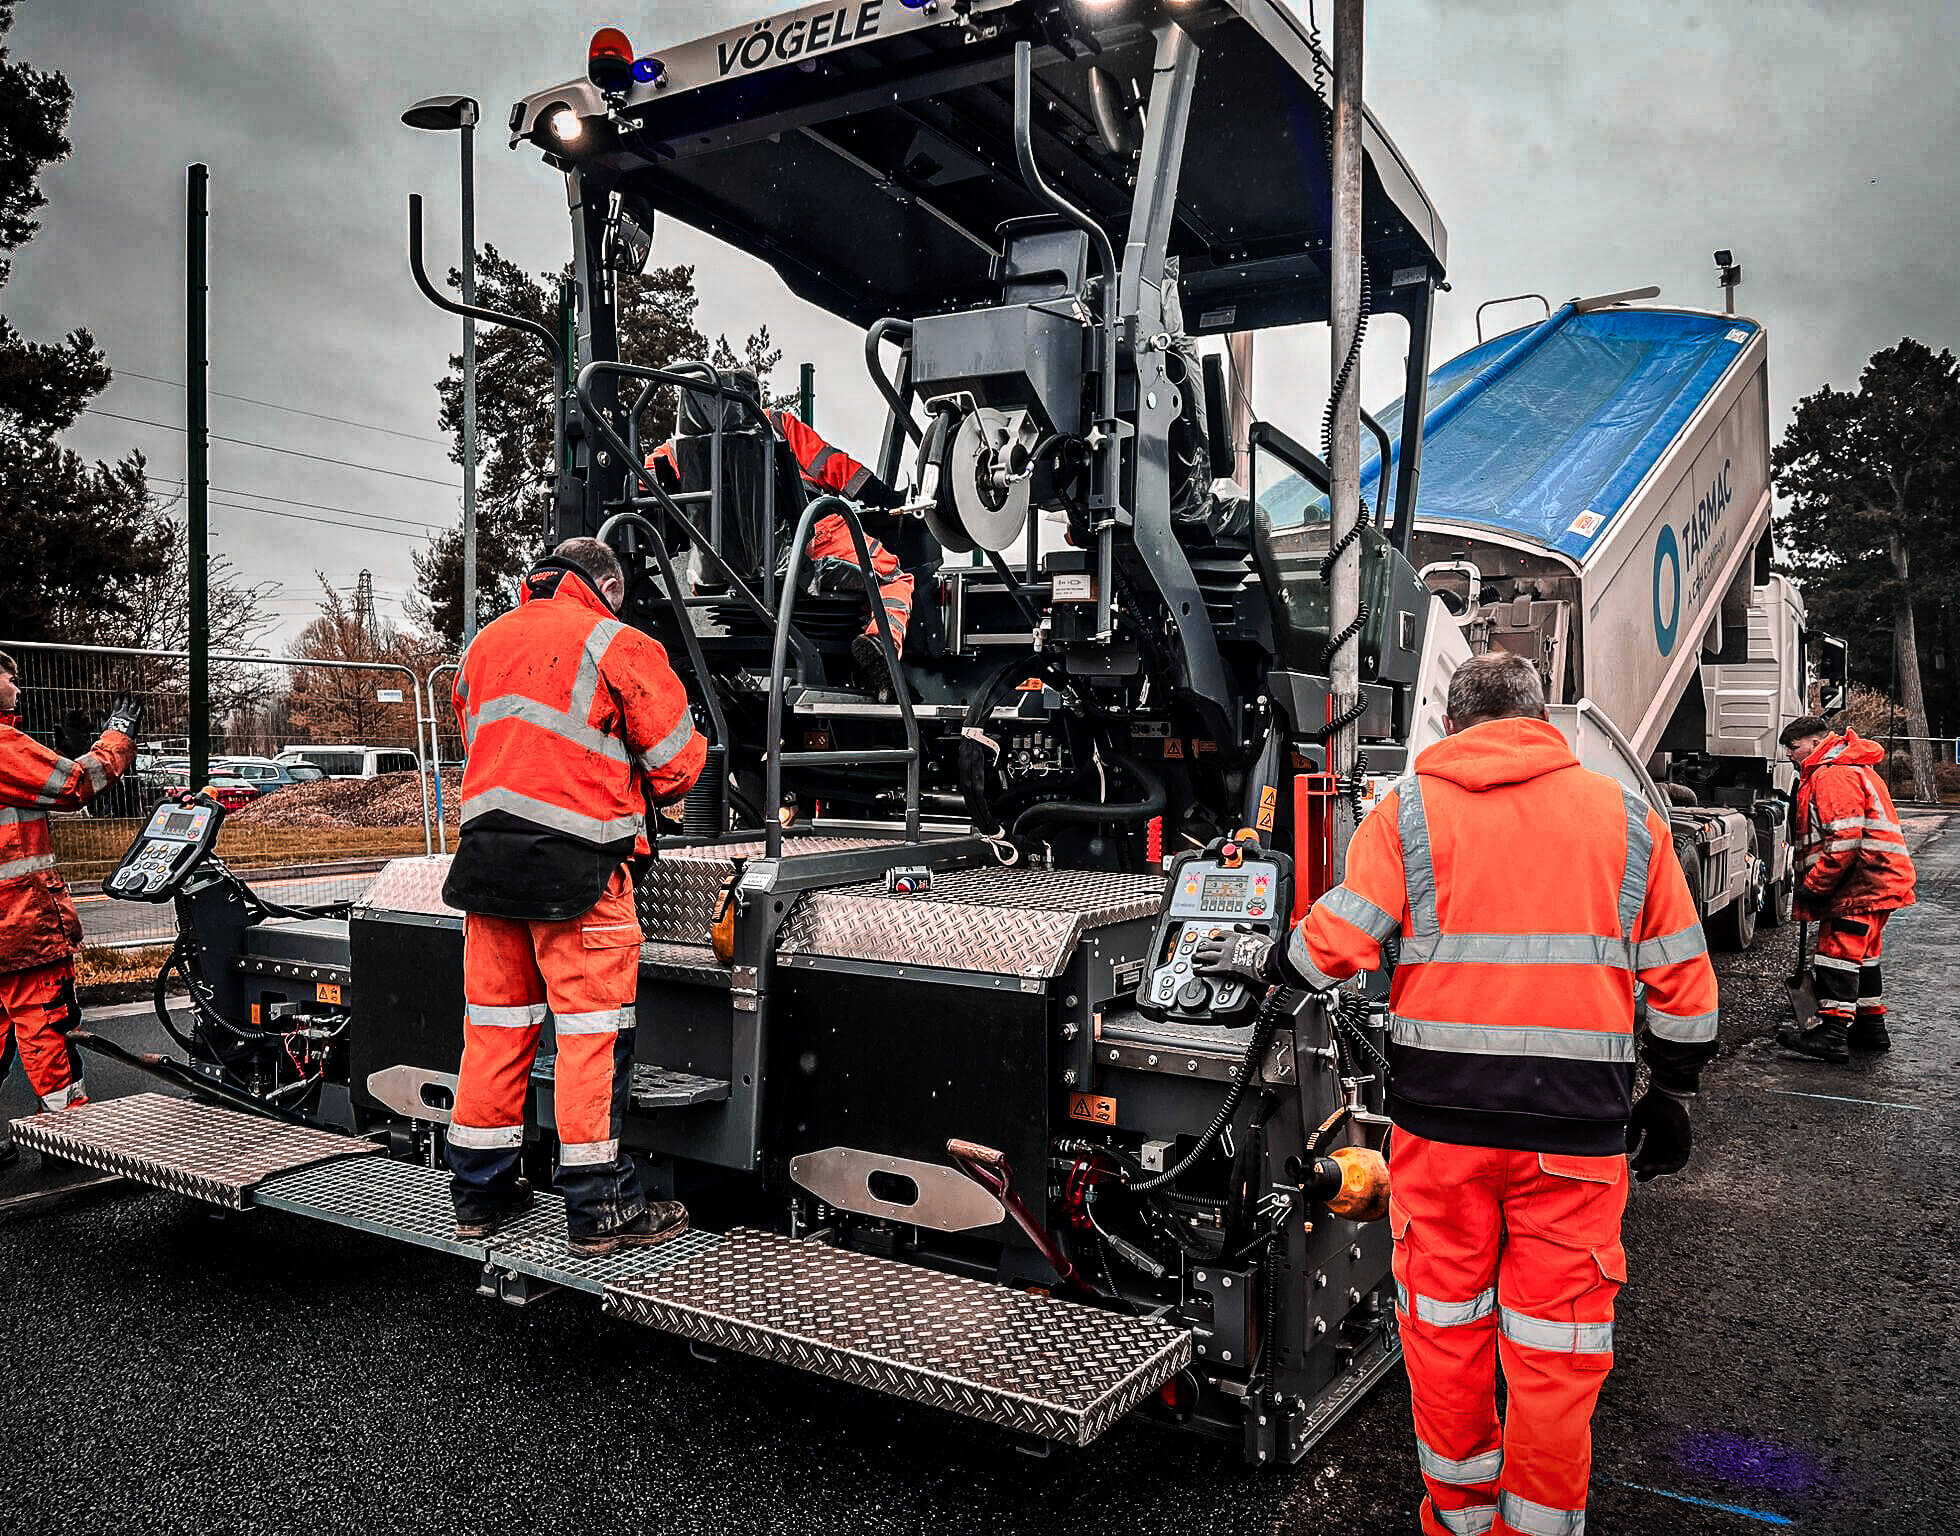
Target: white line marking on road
<point>1838,1098</point>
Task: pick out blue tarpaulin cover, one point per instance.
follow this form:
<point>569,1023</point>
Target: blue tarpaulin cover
<point>1545,433</point>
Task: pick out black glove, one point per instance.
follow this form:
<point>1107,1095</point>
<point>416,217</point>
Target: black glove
<point>1250,956</point>
<point>125,715</point>
<point>1659,1136</point>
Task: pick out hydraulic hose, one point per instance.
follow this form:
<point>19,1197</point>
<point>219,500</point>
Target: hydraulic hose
<point>1091,811</point>
<point>1279,1002</point>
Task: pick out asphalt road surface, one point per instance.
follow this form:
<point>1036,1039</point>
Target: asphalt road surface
<point>1788,1356</point>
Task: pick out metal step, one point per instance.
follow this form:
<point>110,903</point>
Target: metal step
<point>183,1146</point>
<point>1035,1364</point>
<point>410,1203</point>
<point>653,1087</point>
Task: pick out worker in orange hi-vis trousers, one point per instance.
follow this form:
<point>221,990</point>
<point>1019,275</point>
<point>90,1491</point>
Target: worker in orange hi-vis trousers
<point>828,471</point>
<point>39,930</point>
<point>573,723</point>
<point>1853,873</point>
<point>1530,900</point>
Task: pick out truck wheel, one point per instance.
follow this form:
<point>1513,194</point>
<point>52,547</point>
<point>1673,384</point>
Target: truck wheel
<point>1778,903</point>
<point>1734,927</point>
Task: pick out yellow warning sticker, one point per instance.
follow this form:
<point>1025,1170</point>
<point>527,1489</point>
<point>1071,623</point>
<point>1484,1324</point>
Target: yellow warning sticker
<point>1093,1107</point>
<point>327,991</point>
<point>1268,806</point>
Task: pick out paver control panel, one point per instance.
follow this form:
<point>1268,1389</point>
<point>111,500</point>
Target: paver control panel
<point>177,835</point>
<point>1212,892</point>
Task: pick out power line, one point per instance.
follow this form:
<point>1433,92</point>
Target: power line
<point>246,442</point>
<point>317,506</point>
<point>345,421</point>
<point>325,522</point>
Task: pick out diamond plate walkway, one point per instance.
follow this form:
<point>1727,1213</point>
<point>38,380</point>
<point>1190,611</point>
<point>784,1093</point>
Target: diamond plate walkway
<point>1033,1364</point>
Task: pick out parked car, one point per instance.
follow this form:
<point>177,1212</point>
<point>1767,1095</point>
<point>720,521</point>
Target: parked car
<point>267,774</point>
<point>174,774</point>
<point>347,762</point>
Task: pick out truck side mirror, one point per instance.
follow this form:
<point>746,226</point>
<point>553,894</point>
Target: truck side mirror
<point>1833,673</point>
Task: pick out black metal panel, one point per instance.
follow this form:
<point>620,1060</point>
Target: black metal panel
<point>409,1010</point>
<point>894,1065</point>
<point>911,134</point>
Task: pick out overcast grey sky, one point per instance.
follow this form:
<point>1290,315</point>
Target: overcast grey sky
<point>1571,149</point>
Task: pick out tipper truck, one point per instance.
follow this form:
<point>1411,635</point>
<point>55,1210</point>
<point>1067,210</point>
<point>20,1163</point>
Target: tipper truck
<point>1596,496</point>
<point>919,1042</point>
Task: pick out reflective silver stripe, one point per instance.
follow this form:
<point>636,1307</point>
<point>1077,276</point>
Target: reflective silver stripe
<point>1529,1519</point>
<point>62,1098</point>
<point>486,1138</point>
<point>1517,949</point>
<point>1832,963</point>
<point>98,776</point>
<point>1872,1004</point>
<point>1471,1520</point>
<point>583,1154</point>
<point>1301,959</point>
<point>1670,948</point>
<point>573,728</point>
<point>1564,1338</point>
<point>858,481</point>
<point>1454,1314</point>
<point>556,817</point>
<point>520,1016</point>
<point>670,746</point>
<point>1467,1473</point>
<point>605,1021</point>
<point>1640,855</point>
<point>1840,844</point>
<point>1832,755</point>
<point>9,815</point>
<point>26,866</point>
<point>57,779</point>
<point>1352,907</point>
<point>1688,1029</point>
<point>1418,869</point>
<point>1872,823</point>
<point>1510,1040</point>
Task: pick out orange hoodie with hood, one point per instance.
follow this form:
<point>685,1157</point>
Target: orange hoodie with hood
<point>1851,850</point>
<point>1527,904</point>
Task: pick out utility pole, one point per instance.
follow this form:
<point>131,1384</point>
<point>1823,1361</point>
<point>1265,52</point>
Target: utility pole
<point>1344,468</point>
<point>806,394</point>
<point>197,367</point>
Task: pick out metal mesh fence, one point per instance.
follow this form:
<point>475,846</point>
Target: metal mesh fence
<point>323,768</point>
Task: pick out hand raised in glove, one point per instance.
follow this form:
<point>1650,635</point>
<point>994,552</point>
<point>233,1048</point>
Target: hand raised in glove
<point>125,715</point>
<point>1659,1136</point>
<point>1252,957</point>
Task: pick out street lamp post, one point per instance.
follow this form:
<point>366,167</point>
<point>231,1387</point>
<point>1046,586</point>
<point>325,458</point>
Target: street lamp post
<point>443,114</point>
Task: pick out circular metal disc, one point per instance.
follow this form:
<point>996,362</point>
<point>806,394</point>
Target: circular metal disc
<point>987,525</point>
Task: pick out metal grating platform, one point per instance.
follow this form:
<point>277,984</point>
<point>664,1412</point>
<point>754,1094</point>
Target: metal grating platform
<point>406,1201</point>
<point>1035,1364</point>
<point>653,1087</point>
<point>183,1146</point>
<point>410,1203</point>
<point>536,1247</point>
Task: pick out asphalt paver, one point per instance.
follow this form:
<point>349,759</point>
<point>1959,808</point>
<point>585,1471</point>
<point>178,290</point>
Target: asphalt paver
<point>1789,1355</point>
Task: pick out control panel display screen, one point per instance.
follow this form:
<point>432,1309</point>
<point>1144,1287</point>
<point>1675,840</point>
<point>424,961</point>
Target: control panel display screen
<point>1223,894</point>
<point>179,826</point>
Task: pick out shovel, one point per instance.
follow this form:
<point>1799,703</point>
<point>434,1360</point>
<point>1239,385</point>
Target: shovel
<point>1802,983</point>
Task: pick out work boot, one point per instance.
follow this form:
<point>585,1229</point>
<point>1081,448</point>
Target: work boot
<point>1868,1033</point>
<point>1823,1041</point>
<point>475,1231</point>
<point>660,1222</point>
<point>874,677</point>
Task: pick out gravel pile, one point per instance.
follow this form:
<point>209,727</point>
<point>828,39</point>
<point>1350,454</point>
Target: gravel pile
<point>387,800</point>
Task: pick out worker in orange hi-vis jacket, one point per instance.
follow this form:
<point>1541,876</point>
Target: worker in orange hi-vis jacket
<point>573,723</point>
<point>39,931</point>
<point>1853,872</point>
<point>829,471</point>
<point>1545,938</point>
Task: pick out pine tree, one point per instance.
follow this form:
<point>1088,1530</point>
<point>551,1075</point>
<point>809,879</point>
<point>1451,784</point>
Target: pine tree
<point>1873,480</point>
